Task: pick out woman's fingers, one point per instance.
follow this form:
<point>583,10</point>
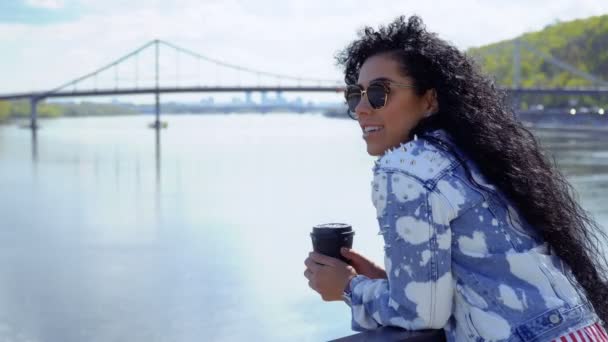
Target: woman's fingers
<point>347,253</point>
<point>312,265</point>
<point>308,273</point>
<point>311,281</point>
<point>323,259</point>
<point>357,259</point>
<point>351,254</point>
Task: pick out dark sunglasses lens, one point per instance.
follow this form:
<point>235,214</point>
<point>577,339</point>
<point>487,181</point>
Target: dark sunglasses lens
<point>376,95</point>
<point>353,97</point>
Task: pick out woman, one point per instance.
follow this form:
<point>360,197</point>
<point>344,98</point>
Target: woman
<point>483,237</point>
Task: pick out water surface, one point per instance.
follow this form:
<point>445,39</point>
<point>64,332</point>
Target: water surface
<point>107,235</point>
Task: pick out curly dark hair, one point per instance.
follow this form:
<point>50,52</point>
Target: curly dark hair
<point>482,123</point>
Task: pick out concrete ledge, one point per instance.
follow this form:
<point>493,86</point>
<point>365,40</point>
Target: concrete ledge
<point>390,334</point>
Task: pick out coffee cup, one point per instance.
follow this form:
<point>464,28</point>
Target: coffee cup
<point>329,238</point>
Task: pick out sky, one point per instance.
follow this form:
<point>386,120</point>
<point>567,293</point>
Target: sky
<point>45,43</point>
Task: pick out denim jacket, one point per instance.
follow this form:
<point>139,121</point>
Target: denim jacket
<point>458,256</point>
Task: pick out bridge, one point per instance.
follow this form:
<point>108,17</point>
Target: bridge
<point>246,80</point>
<point>109,80</point>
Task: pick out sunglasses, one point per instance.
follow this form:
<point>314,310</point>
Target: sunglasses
<point>377,95</point>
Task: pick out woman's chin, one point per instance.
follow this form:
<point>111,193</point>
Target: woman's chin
<point>373,150</point>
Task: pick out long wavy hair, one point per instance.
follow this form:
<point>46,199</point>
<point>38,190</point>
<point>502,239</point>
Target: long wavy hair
<point>482,123</point>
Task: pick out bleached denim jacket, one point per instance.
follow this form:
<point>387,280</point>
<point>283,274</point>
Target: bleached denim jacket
<point>458,256</point>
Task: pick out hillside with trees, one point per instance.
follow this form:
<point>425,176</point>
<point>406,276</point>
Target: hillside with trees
<point>581,43</point>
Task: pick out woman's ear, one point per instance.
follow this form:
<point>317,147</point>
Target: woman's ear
<point>432,105</point>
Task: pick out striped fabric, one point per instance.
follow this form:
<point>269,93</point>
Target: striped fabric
<point>590,333</point>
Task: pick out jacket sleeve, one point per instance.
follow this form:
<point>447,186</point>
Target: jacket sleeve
<point>415,223</point>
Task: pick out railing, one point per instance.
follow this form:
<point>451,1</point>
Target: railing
<point>392,334</point>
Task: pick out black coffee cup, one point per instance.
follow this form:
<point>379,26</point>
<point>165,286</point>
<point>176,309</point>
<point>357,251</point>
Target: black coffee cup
<point>328,238</point>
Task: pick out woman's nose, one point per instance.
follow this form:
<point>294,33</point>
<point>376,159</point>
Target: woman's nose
<point>363,107</point>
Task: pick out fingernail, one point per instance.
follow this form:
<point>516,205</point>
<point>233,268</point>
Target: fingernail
<point>344,249</point>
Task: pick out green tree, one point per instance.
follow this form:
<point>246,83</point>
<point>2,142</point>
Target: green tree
<point>50,110</point>
<point>20,109</point>
<point>5,110</point>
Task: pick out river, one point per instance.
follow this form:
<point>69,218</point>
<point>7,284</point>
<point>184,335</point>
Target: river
<point>109,234</point>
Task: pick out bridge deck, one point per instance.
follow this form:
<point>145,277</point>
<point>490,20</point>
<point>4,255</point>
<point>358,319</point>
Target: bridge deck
<point>234,89</point>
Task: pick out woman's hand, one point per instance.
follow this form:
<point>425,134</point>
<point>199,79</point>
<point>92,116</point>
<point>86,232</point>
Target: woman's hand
<point>363,265</point>
<point>328,276</point>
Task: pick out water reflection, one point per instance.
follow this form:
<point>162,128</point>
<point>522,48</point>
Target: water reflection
<point>157,163</point>
<point>157,159</point>
<point>34,146</point>
<point>96,167</point>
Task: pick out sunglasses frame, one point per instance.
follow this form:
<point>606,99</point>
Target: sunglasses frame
<point>386,84</point>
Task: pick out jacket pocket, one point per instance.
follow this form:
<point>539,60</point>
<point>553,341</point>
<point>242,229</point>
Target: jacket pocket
<point>560,284</point>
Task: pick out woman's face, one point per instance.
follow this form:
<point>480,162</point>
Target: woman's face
<point>403,109</point>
